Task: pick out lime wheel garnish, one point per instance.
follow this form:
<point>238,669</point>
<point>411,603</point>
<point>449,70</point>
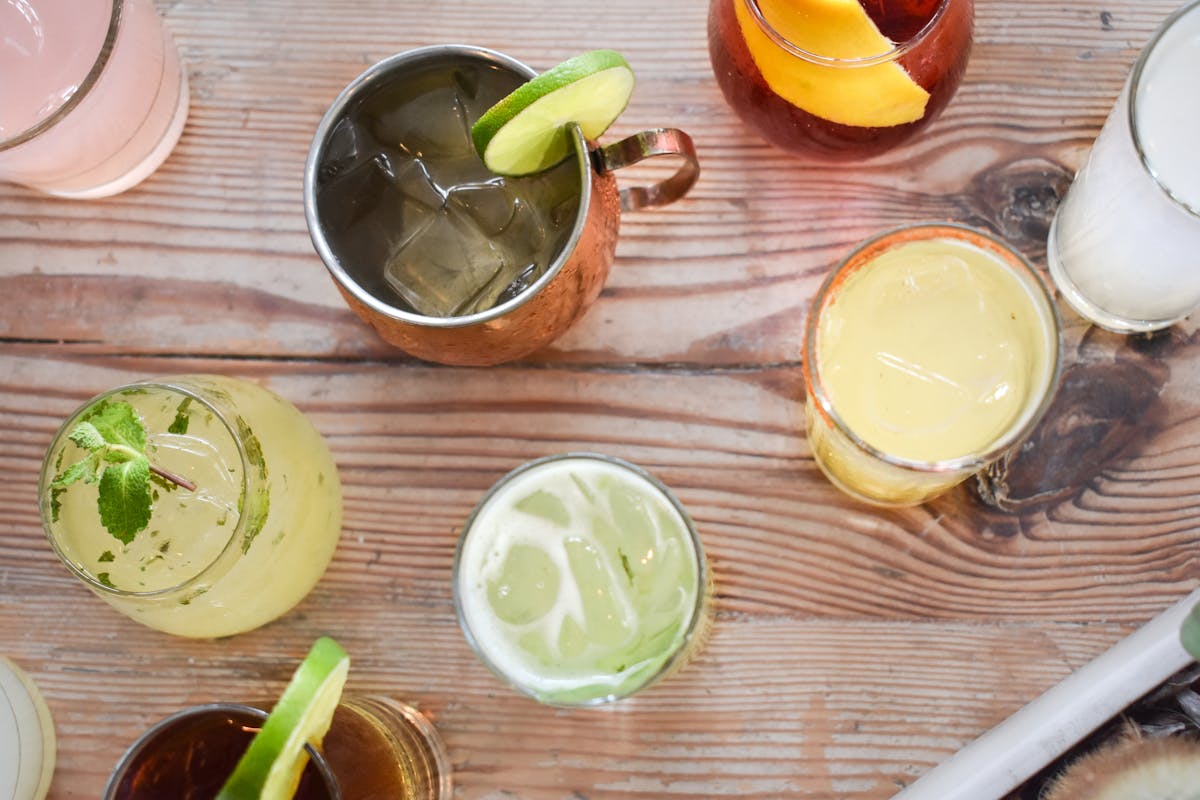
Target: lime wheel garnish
<point>271,767</point>
<point>528,131</point>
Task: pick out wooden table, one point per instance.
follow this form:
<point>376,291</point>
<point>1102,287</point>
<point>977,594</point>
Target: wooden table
<point>852,648</point>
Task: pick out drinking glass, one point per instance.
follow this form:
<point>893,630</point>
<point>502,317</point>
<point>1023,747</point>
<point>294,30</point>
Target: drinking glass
<point>95,96</point>
<point>928,352</point>
<point>444,259</point>
<point>579,579</point>
<point>241,540</point>
<point>842,80</point>
<point>27,740</point>
<point>1123,244</point>
<point>375,747</point>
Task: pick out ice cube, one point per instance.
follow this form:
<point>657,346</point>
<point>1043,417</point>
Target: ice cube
<point>523,238</point>
<point>441,271</point>
<point>370,210</point>
<point>519,284</point>
<point>466,80</point>
<point>489,204</point>
<point>347,146</point>
<point>431,125</point>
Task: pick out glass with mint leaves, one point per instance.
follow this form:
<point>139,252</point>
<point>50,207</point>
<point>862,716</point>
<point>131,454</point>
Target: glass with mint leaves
<point>199,505</point>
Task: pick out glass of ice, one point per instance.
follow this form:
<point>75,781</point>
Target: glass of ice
<point>445,259</point>
<point>239,516</point>
<point>375,747</point>
<point>1123,246</point>
<point>94,95</point>
<point>579,579</point>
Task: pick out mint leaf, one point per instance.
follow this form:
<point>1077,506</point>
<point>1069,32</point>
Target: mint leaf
<point>81,470</point>
<point>179,425</point>
<point>84,470</point>
<point>118,423</point>
<point>86,436</point>
<point>115,438</point>
<point>125,498</point>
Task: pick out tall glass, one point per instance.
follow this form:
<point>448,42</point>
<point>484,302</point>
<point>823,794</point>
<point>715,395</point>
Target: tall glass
<point>240,529</point>
<point>580,579</point>
<point>375,748</point>
<point>94,95</point>
<point>929,352</point>
<point>840,80</point>
<point>1122,248</point>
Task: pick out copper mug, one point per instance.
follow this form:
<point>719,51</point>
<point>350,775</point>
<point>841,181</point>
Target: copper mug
<point>574,277</point>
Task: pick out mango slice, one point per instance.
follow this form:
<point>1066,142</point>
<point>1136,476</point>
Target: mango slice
<point>876,96</point>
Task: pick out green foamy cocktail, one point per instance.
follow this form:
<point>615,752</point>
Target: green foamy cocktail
<point>579,579</point>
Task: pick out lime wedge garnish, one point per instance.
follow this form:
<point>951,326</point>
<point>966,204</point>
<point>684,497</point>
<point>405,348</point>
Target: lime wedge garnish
<point>527,131</point>
<point>271,767</point>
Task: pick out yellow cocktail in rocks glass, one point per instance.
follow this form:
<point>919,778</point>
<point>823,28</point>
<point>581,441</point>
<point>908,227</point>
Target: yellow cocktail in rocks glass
<point>929,352</point>
<point>199,505</point>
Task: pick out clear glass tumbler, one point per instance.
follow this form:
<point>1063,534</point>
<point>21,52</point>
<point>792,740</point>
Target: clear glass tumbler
<point>225,523</point>
<point>376,747</point>
<point>579,579</point>
<point>1122,247</point>
<point>841,80</point>
<point>95,95</point>
<point>928,352</point>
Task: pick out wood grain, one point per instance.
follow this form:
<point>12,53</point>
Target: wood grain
<point>851,648</point>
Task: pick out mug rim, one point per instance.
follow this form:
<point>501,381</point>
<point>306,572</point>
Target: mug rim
<point>364,81</point>
<point>82,91</point>
<point>887,240</point>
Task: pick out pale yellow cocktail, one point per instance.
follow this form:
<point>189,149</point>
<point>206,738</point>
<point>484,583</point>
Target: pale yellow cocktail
<point>929,352</point>
<point>244,503</point>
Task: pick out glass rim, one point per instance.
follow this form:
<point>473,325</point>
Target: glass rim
<point>1131,105</point>
<point>173,384</point>
<point>898,49</point>
<point>1031,413</point>
<point>147,736</point>
<point>690,632</point>
<point>83,90</point>
<point>365,82</point>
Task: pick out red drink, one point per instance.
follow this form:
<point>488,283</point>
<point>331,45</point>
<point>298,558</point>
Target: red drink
<point>836,80</point>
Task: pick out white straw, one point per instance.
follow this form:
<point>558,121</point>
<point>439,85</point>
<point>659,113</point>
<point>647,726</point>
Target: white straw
<point>1001,759</point>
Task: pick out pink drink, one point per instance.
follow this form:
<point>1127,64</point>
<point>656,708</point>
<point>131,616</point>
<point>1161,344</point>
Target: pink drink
<point>93,96</point>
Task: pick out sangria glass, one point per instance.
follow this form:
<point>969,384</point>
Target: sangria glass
<point>839,79</point>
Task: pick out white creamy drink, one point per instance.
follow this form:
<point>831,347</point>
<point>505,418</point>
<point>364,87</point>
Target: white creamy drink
<point>1124,248</point>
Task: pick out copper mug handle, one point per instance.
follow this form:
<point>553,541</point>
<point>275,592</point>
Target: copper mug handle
<point>648,144</point>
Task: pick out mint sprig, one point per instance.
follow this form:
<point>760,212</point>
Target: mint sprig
<point>115,440</point>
